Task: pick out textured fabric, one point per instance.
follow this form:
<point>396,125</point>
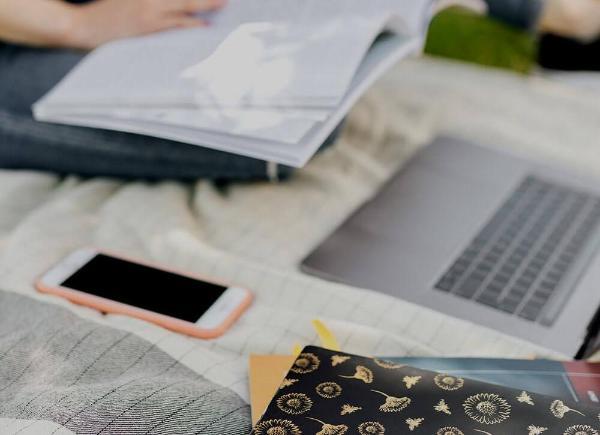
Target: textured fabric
<point>520,13</point>
<point>339,393</point>
<point>94,379</point>
<point>559,53</point>
<point>254,235</point>
<point>28,73</point>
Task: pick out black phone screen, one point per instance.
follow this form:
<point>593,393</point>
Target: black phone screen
<point>145,287</point>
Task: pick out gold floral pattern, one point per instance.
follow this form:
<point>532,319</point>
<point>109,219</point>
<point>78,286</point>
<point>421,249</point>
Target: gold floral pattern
<point>442,406</point>
<point>581,429</point>
<point>414,423</point>
<point>294,403</point>
<point>330,429</point>
<point>371,428</point>
<point>448,382</point>
<point>338,359</point>
<point>361,373</point>
<point>306,363</point>
<point>524,397</point>
<point>449,431</point>
<point>349,409</point>
<point>277,427</point>
<point>343,398</point>
<point>329,390</point>
<point>411,381</point>
<point>287,383</point>
<point>393,404</point>
<point>487,408</point>
<point>387,364</point>
<point>559,409</point>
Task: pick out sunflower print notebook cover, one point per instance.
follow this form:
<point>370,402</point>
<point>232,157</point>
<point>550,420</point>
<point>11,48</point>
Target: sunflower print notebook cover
<point>334,393</point>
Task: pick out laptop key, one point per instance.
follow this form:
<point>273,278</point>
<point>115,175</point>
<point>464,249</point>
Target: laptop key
<point>468,288</point>
<point>445,285</point>
<point>509,306</point>
<point>530,313</point>
<point>488,299</point>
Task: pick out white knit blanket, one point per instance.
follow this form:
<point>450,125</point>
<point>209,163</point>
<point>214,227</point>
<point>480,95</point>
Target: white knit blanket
<point>255,234</point>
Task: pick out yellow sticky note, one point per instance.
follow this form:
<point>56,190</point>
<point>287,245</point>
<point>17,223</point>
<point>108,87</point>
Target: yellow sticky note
<point>328,340</point>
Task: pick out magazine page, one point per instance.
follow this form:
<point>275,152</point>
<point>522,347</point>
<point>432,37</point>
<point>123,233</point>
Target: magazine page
<point>125,72</point>
<point>241,71</point>
<point>382,55</point>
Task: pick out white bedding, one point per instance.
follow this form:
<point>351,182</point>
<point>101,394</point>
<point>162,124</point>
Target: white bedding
<point>255,234</point>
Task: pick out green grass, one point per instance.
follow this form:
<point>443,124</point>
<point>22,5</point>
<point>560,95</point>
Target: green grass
<point>461,34</point>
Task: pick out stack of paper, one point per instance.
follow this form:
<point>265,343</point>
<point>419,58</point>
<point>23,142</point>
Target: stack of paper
<point>270,79</point>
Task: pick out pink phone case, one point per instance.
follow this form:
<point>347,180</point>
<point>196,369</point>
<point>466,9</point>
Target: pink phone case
<point>177,325</point>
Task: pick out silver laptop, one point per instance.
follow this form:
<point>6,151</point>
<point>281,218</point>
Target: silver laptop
<point>480,235</point>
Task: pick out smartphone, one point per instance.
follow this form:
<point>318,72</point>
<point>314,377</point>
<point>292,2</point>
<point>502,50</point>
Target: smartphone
<point>187,304</point>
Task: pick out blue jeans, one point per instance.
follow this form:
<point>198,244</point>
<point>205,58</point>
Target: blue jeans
<point>28,73</point>
<point>523,14</point>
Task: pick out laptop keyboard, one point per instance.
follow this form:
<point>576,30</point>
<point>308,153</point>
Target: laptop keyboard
<point>526,259</point>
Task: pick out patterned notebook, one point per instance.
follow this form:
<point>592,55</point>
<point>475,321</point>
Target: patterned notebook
<point>333,393</point>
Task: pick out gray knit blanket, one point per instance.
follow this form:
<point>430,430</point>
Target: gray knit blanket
<point>61,373</point>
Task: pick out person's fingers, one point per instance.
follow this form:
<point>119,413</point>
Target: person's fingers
<point>184,22</point>
<point>193,6</point>
<point>187,22</point>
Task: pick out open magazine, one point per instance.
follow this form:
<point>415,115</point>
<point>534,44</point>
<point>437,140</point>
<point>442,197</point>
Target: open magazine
<point>269,79</point>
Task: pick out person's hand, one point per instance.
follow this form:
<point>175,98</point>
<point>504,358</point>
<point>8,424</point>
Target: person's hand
<point>578,19</point>
<point>101,21</point>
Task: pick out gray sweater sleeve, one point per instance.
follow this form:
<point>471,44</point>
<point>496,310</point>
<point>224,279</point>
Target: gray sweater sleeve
<point>520,13</point>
